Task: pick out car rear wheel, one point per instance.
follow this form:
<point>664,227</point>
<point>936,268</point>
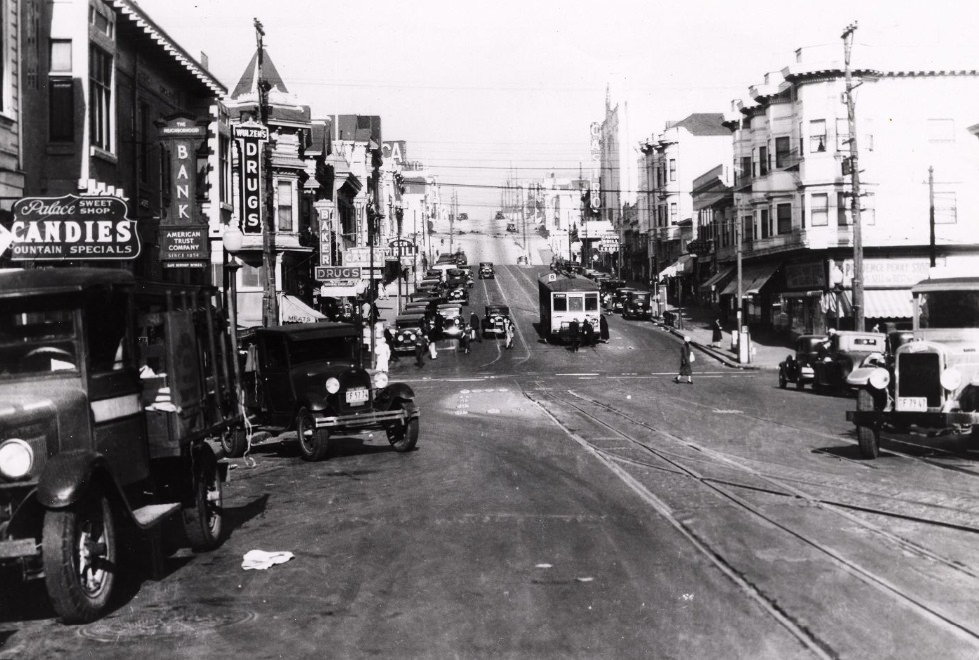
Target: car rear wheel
<point>404,437</point>
<point>868,437</point>
<point>203,518</point>
<point>79,555</point>
<point>313,443</point>
<point>234,443</point>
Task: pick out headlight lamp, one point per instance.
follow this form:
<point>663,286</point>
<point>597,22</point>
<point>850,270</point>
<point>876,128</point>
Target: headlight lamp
<point>16,459</point>
<point>332,385</point>
<point>880,379</point>
<point>950,379</point>
<point>380,380</point>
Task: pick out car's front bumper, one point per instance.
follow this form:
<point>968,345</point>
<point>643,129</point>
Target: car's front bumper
<point>933,420</point>
<point>375,419</point>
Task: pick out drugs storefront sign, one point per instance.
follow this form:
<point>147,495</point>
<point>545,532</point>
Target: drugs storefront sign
<point>71,228</point>
<point>251,135</point>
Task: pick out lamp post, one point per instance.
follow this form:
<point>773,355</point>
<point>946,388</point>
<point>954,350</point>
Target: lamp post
<point>232,244</point>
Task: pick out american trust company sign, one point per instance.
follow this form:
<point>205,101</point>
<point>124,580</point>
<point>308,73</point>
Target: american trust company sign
<point>71,228</point>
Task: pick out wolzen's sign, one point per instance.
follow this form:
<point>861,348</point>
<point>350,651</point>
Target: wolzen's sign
<point>251,135</point>
<point>72,228</point>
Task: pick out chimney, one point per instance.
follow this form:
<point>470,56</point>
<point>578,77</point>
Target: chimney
<point>204,60</point>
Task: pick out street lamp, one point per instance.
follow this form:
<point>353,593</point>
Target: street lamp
<point>231,240</point>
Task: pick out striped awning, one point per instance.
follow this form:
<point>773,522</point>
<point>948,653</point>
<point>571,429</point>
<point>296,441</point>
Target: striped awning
<point>753,278</point>
<point>682,266</point>
<point>717,278</point>
<point>887,304</point>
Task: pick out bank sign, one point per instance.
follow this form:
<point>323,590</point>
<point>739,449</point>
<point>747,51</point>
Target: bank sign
<point>70,228</point>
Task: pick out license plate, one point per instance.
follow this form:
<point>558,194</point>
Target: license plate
<point>912,403</point>
<point>357,396</point>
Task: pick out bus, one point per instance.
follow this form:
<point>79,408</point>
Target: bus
<point>564,298</point>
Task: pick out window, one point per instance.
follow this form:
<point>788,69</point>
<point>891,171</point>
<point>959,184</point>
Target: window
<point>251,276</point>
<point>843,134</point>
<point>945,209</point>
<point>560,302</point>
<point>783,146</point>
<point>762,161</point>
<point>224,163</point>
<point>745,169</point>
<point>662,216</point>
<point>784,212</point>
<point>820,210</point>
<point>673,169</point>
<point>747,228</point>
<point>842,209</point>
<point>100,91</point>
<point>61,56</point>
<point>673,213</point>
<point>285,206</point>
<point>102,18</point>
<point>941,130</point>
<point>868,210</point>
<point>817,136</point>
<point>766,228</point>
<point>61,99</point>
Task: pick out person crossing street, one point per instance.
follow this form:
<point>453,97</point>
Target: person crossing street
<point>686,360</point>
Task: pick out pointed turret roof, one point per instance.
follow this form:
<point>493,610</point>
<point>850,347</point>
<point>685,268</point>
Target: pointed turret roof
<point>248,84</point>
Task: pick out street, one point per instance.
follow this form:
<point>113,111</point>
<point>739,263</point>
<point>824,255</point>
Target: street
<point>567,504</point>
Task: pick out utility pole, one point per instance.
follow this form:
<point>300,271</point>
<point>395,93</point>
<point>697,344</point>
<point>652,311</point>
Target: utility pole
<point>931,214</point>
<point>855,201</point>
<point>743,356</point>
<point>270,303</point>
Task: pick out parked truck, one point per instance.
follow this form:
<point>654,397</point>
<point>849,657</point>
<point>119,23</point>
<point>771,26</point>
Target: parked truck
<point>932,382</point>
<point>110,389</point>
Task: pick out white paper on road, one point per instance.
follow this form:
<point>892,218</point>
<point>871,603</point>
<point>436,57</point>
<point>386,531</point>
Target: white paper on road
<point>260,559</point>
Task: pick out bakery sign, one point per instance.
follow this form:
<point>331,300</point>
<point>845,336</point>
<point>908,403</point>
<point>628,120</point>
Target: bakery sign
<point>70,228</point>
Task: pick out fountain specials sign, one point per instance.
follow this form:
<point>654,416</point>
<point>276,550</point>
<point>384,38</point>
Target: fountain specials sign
<point>70,228</point>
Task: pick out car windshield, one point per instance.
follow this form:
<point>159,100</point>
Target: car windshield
<point>948,309</point>
<point>36,339</point>
<point>340,349</point>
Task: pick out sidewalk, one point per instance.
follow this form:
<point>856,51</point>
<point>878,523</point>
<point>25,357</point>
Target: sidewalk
<point>767,349</point>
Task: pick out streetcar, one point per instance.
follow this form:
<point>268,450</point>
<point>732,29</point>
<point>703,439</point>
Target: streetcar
<point>566,298</point>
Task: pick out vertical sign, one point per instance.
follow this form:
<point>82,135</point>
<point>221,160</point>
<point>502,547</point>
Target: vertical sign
<point>183,235</point>
<point>252,135</point>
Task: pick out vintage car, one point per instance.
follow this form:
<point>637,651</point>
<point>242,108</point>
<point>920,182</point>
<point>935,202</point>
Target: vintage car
<point>110,389</point>
<point>450,321</point>
<point>468,272</point>
<point>460,258</point>
<point>313,378</point>
<point>407,327</point>
<point>933,385</point>
<point>457,277</point>
<point>421,307</point>
<point>494,321</point>
<point>458,294</point>
<point>797,367</point>
<point>511,227</point>
<point>619,296</point>
<point>845,351</point>
<point>637,305</point>
<point>486,270</point>
<point>610,284</point>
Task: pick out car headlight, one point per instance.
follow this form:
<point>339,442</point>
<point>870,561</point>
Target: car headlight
<point>879,379</point>
<point>332,385</point>
<point>380,380</point>
<point>16,459</point>
<point>950,379</point>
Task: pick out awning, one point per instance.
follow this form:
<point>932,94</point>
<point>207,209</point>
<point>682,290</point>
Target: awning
<point>682,266</point>
<point>716,278</point>
<point>753,278</point>
<point>294,310</point>
<point>887,303</point>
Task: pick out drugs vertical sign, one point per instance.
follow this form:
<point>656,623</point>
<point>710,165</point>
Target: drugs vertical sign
<point>251,136</point>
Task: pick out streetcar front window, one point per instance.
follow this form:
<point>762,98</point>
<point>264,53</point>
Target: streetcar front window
<point>591,302</point>
<point>560,302</point>
<point>576,303</point>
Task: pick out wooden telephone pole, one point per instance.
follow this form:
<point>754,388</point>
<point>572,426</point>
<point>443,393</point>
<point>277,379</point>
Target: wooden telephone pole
<point>855,200</point>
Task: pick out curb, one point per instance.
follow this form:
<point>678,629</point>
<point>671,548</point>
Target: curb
<point>720,357</point>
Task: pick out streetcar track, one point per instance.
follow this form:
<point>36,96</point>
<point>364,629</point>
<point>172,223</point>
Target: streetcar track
<point>867,576</point>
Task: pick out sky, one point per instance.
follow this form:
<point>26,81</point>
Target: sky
<point>488,91</point>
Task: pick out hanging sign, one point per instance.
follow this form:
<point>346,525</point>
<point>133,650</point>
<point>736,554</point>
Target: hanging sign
<point>251,134</point>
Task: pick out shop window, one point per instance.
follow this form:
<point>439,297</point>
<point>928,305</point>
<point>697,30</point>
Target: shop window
<point>820,210</point>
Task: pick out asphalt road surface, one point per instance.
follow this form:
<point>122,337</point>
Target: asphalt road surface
<point>572,505</point>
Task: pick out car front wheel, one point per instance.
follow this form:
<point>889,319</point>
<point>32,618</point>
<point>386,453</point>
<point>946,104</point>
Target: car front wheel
<point>79,555</point>
<point>313,443</point>
<point>868,437</point>
<point>404,436</point>
<point>203,518</point>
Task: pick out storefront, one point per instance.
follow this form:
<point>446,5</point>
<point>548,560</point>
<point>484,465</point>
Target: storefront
<point>758,307</point>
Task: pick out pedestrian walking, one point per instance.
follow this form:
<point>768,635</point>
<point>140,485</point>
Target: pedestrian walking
<point>587,333</point>
<point>603,328</point>
<point>421,345</point>
<point>432,352</point>
<point>574,336</point>
<point>508,330</point>
<point>474,322</point>
<point>382,356</point>
<point>716,334</point>
<point>686,360</point>
<point>465,338</point>
<point>389,339</point>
